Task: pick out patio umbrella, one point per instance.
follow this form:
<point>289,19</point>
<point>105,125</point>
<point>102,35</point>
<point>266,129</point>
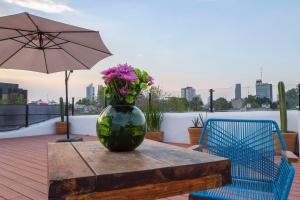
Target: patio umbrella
<point>29,42</point>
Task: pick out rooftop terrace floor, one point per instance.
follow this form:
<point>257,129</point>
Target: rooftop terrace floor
<point>23,169</point>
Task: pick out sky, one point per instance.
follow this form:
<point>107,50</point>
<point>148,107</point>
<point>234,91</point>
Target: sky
<point>200,43</point>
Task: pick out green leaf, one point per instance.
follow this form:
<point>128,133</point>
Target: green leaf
<point>130,99</point>
<point>105,91</point>
<point>144,86</point>
<point>138,72</point>
<point>145,75</point>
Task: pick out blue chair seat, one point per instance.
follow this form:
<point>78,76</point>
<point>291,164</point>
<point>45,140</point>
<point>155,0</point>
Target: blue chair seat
<point>236,191</point>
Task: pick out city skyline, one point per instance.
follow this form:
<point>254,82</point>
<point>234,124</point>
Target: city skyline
<point>202,43</point>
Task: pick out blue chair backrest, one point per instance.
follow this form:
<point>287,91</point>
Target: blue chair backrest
<point>249,144</point>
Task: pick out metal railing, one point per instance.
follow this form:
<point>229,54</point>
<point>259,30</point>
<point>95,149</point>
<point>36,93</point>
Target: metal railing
<point>14,116</point>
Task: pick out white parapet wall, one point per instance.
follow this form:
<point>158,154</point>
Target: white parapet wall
<point>174,125</point>
<point>43,128</point>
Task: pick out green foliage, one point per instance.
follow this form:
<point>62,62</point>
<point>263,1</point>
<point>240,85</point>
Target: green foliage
<point>198,121</point>
<point>14,98</point>
<point>154,119</point>
<point>85,101</point>
<point>222,104</point>
<point>104,126</point>
<point>176,104</point>
<point>196,104</point>
<point>62,109</point>
<point>257,102</point>
<point>282,107</point>
<point>292,98</point>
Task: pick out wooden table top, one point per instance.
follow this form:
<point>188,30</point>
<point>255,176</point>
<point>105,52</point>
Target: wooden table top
<point>87,170</point>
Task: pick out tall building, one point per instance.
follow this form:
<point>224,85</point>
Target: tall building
<point>264,90</point>
<point>188,93</point>
<point>238,91</point>
<point>6,89</point>
<point>90,92</point>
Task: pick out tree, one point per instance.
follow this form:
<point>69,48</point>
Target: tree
<point>258,102</point>
<point>175,104</point>
<point>84,101</point>
<point>222,104</point>
<point>292,98</point>
<point>251,100</point>
<point>16,98</point>
<point>196,104</point>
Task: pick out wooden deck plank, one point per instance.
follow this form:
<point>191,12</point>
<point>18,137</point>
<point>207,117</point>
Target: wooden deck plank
<point>22,189</point>
<point>7,193</point>
<point>23,169</point>
<point>24,180</point>
<point>23,163</point>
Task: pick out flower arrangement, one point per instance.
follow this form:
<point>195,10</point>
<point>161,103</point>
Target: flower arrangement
<point>125,83</point>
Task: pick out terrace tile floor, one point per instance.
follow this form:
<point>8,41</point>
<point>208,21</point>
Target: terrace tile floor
<point>23,169</point>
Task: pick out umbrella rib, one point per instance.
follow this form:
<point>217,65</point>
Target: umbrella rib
<point>26,38</point>
<point>15,37</point>
<point>70,54</point>
<point>84,45</point>
<point>74,57</point>
<point>16,52</point>
<point>50,40</point>
<point>45,61</point>
<point>48,47</point>
<point>70,31</point>
<point>23,43</point>
<point>37,28</point>
<point>15,29</point>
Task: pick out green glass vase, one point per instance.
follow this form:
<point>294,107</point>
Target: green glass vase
<point>121,127</point>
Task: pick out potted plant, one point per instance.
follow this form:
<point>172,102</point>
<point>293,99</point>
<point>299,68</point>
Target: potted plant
<point>289,137</point>
<point>61,127</point>
<point>196,130</point>
<point>122,125</point>
<point>154,118</point>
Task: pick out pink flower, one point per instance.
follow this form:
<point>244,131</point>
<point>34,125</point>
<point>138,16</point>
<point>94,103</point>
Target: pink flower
<point>128,77</point>
<point>125,68</point>
<point>150,80</point>
<point>122,71</point>
<point>124,91</point>
<point>109,71</point>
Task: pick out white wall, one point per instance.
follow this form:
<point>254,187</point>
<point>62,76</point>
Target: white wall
<point>174,125</point>
<point>43,128</point>
<point>84,124</point>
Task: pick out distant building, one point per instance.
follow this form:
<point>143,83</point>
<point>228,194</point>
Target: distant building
<point>188,93</point>
<point>264,90</point>
<point>238,91</point>
<point>90,92</point>
<point>6,89</point>
<point>100,88</point>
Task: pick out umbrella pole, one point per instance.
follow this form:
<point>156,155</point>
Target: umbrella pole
<point>68,139</point>
<point>67,104</point>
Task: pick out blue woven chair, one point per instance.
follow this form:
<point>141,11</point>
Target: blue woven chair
<point>259,167</point>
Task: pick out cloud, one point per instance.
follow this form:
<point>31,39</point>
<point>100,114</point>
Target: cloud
<point>49,6</point>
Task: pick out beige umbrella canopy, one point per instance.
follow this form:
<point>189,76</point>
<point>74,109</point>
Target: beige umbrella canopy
<point>29,42</point>
<point>33,43</point>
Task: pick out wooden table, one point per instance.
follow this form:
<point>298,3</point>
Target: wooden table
<point>86,170</point>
